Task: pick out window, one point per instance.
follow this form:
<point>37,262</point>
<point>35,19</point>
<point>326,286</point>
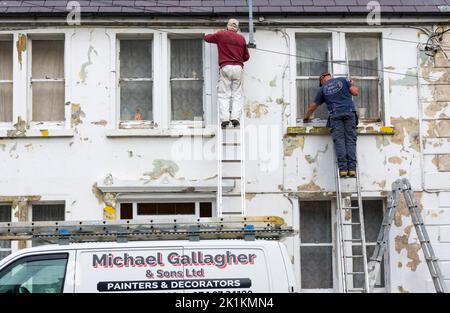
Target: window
<point>365,68</point>
<point>313,56</point>
<point>136,82</point>
<point>6,80</point>
<point>144,209</point>
<point>47,80</point>
<point>373,217</point>
<point>35,274</point>
<point>46,213</point>
<point>186,79</point>
<point>316,245</point>
<point>5,217</point>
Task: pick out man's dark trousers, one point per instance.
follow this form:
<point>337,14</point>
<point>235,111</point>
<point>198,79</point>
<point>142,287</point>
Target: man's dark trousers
<point>343,127</point>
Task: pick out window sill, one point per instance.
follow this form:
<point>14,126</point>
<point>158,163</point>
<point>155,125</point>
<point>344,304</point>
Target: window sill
<point>363,129</point>
<point>162,132</point>
<point>36,133</point>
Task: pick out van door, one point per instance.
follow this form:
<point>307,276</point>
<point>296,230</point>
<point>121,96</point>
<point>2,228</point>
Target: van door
<point>225,269</point>
<point>129,269</point>
<point>37,273</point>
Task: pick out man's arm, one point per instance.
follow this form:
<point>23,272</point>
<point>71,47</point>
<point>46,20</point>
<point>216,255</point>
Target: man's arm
<point>312,107</point>
<point>211,38</point>
<point>246,54</point>
<point>353,89</point>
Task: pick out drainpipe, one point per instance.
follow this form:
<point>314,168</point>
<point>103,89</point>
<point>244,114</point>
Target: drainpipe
<point>251,40</point>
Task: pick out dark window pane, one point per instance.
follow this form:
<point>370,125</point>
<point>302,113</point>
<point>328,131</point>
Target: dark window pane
<point>315,221</point>
<point>126,211</point>
<point>313,52</point>
<point>5,216</point>
<point>373,217</point>
<point>48,212</point>
<point>48,59</point>
<point>358,280</point>
<point>48,101</point>
<point>186,58</point>
<point>206,209</point>
<point>166,209</point>
<point>316,267</point>
<point>6,97</point>
<point>187,100</point>
<point>306,92</point>
<point>135,58</point>
<point>136,100</point>
<point>185,208</point>
<point>6,60</point>
<point>147,208</point>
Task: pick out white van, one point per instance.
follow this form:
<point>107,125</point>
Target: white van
<point>219,266</point>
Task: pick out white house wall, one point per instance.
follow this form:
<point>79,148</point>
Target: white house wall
<point>67,167</point>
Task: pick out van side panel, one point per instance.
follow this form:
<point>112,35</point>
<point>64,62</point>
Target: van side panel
<point>228,270</point>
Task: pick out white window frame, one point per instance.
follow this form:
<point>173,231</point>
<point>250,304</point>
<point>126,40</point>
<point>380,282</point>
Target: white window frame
<point>166,198</point>
<point>339,67</point>
<point>9,37</point>
<point>65,35</point>
<point>143,123</point>
<point>332,245</point>
<point>11,249</point>
<point>161,77</point>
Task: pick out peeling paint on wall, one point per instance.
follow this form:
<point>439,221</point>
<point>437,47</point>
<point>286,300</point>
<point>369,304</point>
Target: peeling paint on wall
<point>256,110</point>
<point>311,186</point>
<point>435,107</point>
<point>402,242</point>
<point>292,143</point>
<point>406,127</point>
<point>402,209</point>
<point>408,80</point>
<point>250,196</point>
<point>273,82</point>
<point>395,160</point>
<point>100,123</point>
<point>311,160</point>
<point>438,129</point>
<point>83,72</point>
<point>77,114</point>
<point>20,129</point>
<point>402,290</point>
<point>401,172</point>
<point>161,167</point>
<point>21,46</point>
<point>381,141</point>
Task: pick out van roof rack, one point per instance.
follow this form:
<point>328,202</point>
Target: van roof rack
<point>229,227</point>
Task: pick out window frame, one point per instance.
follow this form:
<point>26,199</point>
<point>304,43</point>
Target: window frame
<point>188,123</point>
<point>339,67</point>
<point>9,37</point>
<point>196,200</point>
<point>332,244</point>
<point>11,248</point>
<point>127,124</point>
<point>54,35</point>
<point>161,79</point>
<point>309,78</point>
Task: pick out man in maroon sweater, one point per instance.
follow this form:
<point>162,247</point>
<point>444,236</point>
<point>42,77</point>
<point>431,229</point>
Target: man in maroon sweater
<point>233,52</point>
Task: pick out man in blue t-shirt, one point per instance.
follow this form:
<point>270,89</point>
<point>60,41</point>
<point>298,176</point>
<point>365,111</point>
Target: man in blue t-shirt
<point>337,93</point>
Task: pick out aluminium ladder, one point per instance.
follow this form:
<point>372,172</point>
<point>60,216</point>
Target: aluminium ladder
<point>398,187</point>
<point>231,152</point>
<point>183,228</point>
<point>351,233</point>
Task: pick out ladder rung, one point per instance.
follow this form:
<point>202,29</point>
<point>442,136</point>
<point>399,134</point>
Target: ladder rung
<point>356,289</point>
<point>232,213</point>
<point>231,177</point>
<point>353,256</point>
<point>231,144</point>
<point>231,161</point>
<point>350,208</point>
<point>355,273</point>
<point>231,195</point>
<point>353,240</point>
<point>347,224</point>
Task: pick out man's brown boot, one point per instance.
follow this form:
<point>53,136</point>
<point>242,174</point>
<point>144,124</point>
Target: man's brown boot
<point>352,173</point>
<point>343,174</point>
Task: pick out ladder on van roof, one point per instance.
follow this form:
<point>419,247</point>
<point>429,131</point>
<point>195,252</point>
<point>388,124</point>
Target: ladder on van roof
<point>230,227</point>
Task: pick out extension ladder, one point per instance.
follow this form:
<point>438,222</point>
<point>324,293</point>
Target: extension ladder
<point>183,228</point>
<point>231,167</point>
<point>351,234</point>
<point>398,187</point>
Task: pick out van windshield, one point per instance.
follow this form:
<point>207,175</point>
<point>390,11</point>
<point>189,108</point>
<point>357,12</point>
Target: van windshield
<point>35,274</point>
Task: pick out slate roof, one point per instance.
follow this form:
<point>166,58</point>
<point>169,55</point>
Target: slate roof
<point>222,7</point>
